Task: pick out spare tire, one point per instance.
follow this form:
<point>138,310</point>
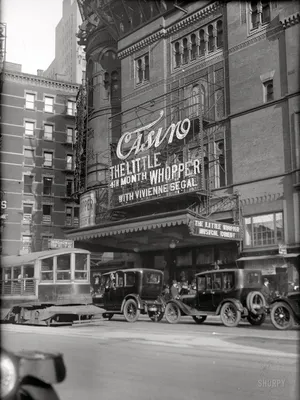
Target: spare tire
<point>255,300</point>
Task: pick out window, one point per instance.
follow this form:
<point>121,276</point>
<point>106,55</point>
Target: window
<point>29,157</point>
<point>63,272</point>
<point>252,278</point>
<point>152,278</point>
<point>29,102</point>
<point>48,159</point>
<point>254,15</point>
<point>185,55</point>
<point>201,283</point>
<point>27,212</point>
<point>47,186</point>
<point>129,278</point>
<point>26,244</point>
<point>263,230</point>
<point>81,261</point>
<point>177,55</point>
<point>228,280</point>
<point>69,187</point>
<point>202,43</point>
<point>29,128</point>
<point>45,241</point>
<point>217,281</point>
<point>259,13</point>
<point>193,47</point>
<point>69,216</point>
<point>219,34</point>
<point>211,39</point>
<point>142,69</point>
<point>220,173</point>
<point>47,211</point>
<point>47,269</point>
<point>265,15</point>
<point>28,181</point>
<point>72,216</point>
<point>114,84</point>
<point>71,110</point>
<point>49,102</point>
<point>268,90</point>
<point>70,135</point>
<point>48,132</point>
<point>69,162</point>
<point>76,217</point>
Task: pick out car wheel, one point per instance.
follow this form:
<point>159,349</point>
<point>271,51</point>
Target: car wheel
<point>199,320</point>
<point>230,315</point>
<point>255,301</point>
<point>256,319</point>
<point>172,313</point>
<point>282,316</point>
<point>131,311</point>
<point>156,316</point>
<point>108,316</point>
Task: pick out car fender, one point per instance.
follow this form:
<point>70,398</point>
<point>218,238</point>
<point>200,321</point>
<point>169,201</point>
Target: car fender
<point>135,297</point>
<point>181,305</point>
<point>236,302</point>
<point>293,305</point>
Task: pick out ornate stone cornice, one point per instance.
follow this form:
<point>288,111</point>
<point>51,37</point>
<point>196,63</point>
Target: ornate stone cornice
<point>40,81</point>
<point>165,32</point>
<point>291,20</point>
<point>267,198</point>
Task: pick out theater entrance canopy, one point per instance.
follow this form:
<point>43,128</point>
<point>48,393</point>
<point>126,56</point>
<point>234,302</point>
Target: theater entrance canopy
<point>163,231</point>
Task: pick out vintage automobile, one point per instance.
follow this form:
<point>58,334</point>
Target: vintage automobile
<point>131,292</point>
<point>231,293</point>
<point>285,311</point>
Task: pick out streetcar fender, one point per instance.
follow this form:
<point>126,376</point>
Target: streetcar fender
<point>236,302</point>
<point>135,297</point>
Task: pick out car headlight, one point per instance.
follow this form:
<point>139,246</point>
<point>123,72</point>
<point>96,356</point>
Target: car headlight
<point>9,375</point>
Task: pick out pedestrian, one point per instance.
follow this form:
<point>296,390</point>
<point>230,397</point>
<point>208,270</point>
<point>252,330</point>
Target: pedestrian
<point>266,291</point>
<point>174,290</point>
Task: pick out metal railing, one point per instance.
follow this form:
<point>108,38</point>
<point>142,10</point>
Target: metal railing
<point>18,287</point>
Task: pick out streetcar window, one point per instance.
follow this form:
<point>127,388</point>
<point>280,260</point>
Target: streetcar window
<point>81,261</point>
<point>28,271</point>
<point>17,273</point>
<point>63,272</point>
<point>47,269</point>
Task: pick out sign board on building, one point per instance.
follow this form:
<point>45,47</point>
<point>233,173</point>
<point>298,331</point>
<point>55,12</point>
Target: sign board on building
<point>147,167</point>
<point>282,249</point>
<point>87,212</point>
<point>60,244</point>
<point>214,229</point>
<point>269,270</point>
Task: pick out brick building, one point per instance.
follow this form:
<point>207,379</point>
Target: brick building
<point>38,134</point>
<point>188,149</point>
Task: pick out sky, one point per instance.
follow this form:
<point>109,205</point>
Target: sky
<point>31,32</point>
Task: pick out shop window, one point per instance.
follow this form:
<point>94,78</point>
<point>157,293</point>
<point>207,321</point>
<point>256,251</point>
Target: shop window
<point>263,230</point>
<point>81,261</point>
<point>49,102</point>
<point>47,186</point>
<point>202,43</point>
<point>47,269</point>
<point>29,128</point>
<point>268,90</point>
<point>28,183</point>
<point>47,213</point>
<point>185,55</point>
<point>27,212</point>
<point>48,159</point>
<point>29,102</point>
<point>48,132</point>
<point>219,34</point>
<point>63,270</point>
<point>177,54</point>
<point>193,47</point>
<point>29,157</point>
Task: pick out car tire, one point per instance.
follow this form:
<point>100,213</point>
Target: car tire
<point>282,316</point>
<point>131,311</point>
<point>172,313</point>
<point>156,316</point>
<point>108,316</point>
<point>256,320</point>
<point>200,319</point>
<point>251,303</point>
<point>230,315</point>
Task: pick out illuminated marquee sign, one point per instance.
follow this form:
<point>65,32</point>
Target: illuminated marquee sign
<point>145,174</point>
<point>209,228</point>
<point>60,244</point>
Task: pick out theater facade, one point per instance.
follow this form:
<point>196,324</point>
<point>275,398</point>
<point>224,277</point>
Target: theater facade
<point>176,167</point>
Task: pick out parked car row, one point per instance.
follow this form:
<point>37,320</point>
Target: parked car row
<point>232,294</point>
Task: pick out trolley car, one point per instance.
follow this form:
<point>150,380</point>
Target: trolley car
<point>50,287</point>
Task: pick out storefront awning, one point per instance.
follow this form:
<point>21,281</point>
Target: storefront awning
<point>276,256</point>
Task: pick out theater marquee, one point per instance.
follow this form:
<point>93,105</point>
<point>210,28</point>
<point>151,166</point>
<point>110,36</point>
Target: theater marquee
<point>145,173</point>
<point>215,229</point>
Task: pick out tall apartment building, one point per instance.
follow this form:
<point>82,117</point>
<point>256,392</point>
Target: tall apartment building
<point>190,156</point>
<point>69,62</point>
<point>38,132</point>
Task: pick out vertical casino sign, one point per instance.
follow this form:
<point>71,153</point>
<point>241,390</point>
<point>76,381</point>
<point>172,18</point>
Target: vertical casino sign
<point>87,216</point>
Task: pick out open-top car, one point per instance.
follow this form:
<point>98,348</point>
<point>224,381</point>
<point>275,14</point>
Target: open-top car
<point>285,311</point>
<point>231,293</point>
<point>131,292</point>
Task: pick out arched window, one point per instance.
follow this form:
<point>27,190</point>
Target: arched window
<point>203,99</point>
<point>140,71</point>
<point>194,101</point>
<point>114,84</point>
<point>254,14</point>
<point>219,33</point>
<point>202,43</point>
<point>185,51</point>
<point>177,55</point>
<point>193,47</point>
<point>147,71</point>
<point>210,38</point>
<point>269,90</point>
<point>265,16</point>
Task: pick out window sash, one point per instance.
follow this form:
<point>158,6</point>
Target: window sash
<point>47,186</point>
<point>29,102</point>
<point>263,230</point>
<point>49,102</point>
<point>71,107</point>
<point>48,159</point>
<point>48,132</point>
<point>70,135</point>
<point>29,128</point>
<point>28,183</point>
